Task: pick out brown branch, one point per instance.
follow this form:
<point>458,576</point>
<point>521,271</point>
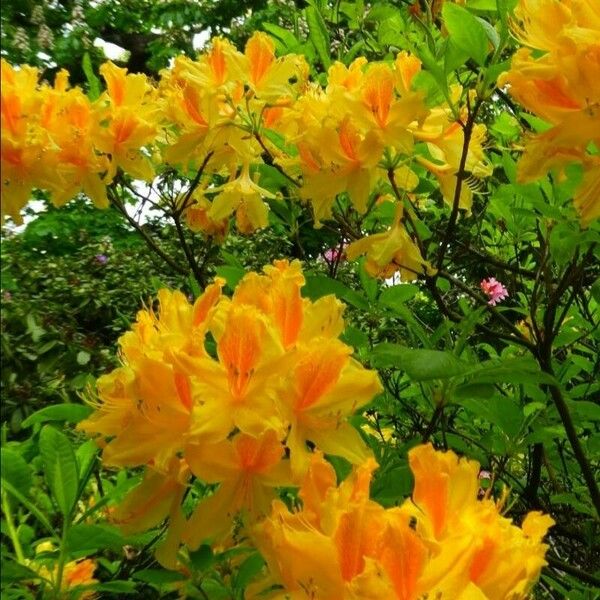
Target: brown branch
<point>460,175</point>
<point>194,266</point>
<point>178,211</point>
<point>144,234</point>
<point>406,215</point>
<point>584,576</point>
<point>271,160</point>
<point>544,357</point>
<point>492,260</point>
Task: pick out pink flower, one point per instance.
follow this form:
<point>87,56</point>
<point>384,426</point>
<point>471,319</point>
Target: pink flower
<point>334,254</point>
<point>494,290</point>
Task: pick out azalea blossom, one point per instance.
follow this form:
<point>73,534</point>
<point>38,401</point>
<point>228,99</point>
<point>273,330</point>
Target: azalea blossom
<point>495,291</point>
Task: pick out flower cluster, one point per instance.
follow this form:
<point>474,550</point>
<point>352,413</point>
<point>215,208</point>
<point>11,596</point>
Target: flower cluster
<point>246,394</point>
<point>223,120</point>
<point>494,290</point>
<point>442,543</point>
<point>234,391</point>
<point>202,112</point>
<point>557,78</point>
<point>55,138</point>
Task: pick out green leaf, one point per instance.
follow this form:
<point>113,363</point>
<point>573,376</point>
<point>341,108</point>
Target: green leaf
<point>115,587</point>
<point>318,34</point>
<point>194,286</point>
<point>248,569</point>
<point>390,31</point>
<point>91,78</point>
<point>60,466</point>
<point>487,5</point>
<point>454,56</point>
<point>87,539</point>
<point>491,33</point>
<point>473,389</point>
<point>354,337</point>
<point>32,508</point>
<point>232,275</point>
<point>287,38</point>
<point>584,410</point>
<point>34,329</point>
<point>595,290</point>
<point>397,295</point>
<point>12,571</point>
<point>72,413</point>
<point>281,143</point>
<point>466,31</point>
<point>15,469</point>
<point>368,283</point>
<point>420,365</point>
<point>435,69</point>
<point>158,577</point>
<point>392,486</point>
<point>515,371</point>
<point>320,285</point>
<point>203,558</point>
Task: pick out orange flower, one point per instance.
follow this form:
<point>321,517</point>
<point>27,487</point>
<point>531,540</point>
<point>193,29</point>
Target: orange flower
<point>391,251</point>
<point>247,469</point>
<point>560,84</point>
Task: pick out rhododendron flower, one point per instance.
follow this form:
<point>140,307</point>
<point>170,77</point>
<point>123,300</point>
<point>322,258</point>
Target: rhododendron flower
<point>495,291</point>
<point>556,78</point>
<point>244,197</point>
<point>443,543</point>
<point>391,251</point>
<point>247,469</point>
<point>238,411</point>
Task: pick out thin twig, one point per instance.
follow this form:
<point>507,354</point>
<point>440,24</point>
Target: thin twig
<point>117,203</point>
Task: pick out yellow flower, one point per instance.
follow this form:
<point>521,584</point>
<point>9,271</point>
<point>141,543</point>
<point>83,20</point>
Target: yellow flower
<point>130,108</point>
<point>157,497</point>
<point>497,558</point>
<point>240,409</point>
<point>197,219</point>
<point>79,573</point>
<point>75,573</point>
<point>339,158</point>
<point>20,158</point>
<point>267,76</point>
<point>560,83</point>
<point>389,114</point>
<point>445,138</point>
<point>247,469</point>
<point>444,485</point>
<point>447,544</point>
<point>145,407</point>
<point>236,390</point>
<point>79,167</point>
<point>390,252</point>
<point>324,387</point>
<point>277,294</point>
<point>244,197</point>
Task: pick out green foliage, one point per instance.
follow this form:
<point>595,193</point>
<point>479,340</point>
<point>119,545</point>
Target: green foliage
<point>454,369</point>
<point>72,282</point>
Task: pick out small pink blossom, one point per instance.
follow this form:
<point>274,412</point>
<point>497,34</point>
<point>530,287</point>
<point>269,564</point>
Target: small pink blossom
<point>334,254</point>
<point>494,290</point>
